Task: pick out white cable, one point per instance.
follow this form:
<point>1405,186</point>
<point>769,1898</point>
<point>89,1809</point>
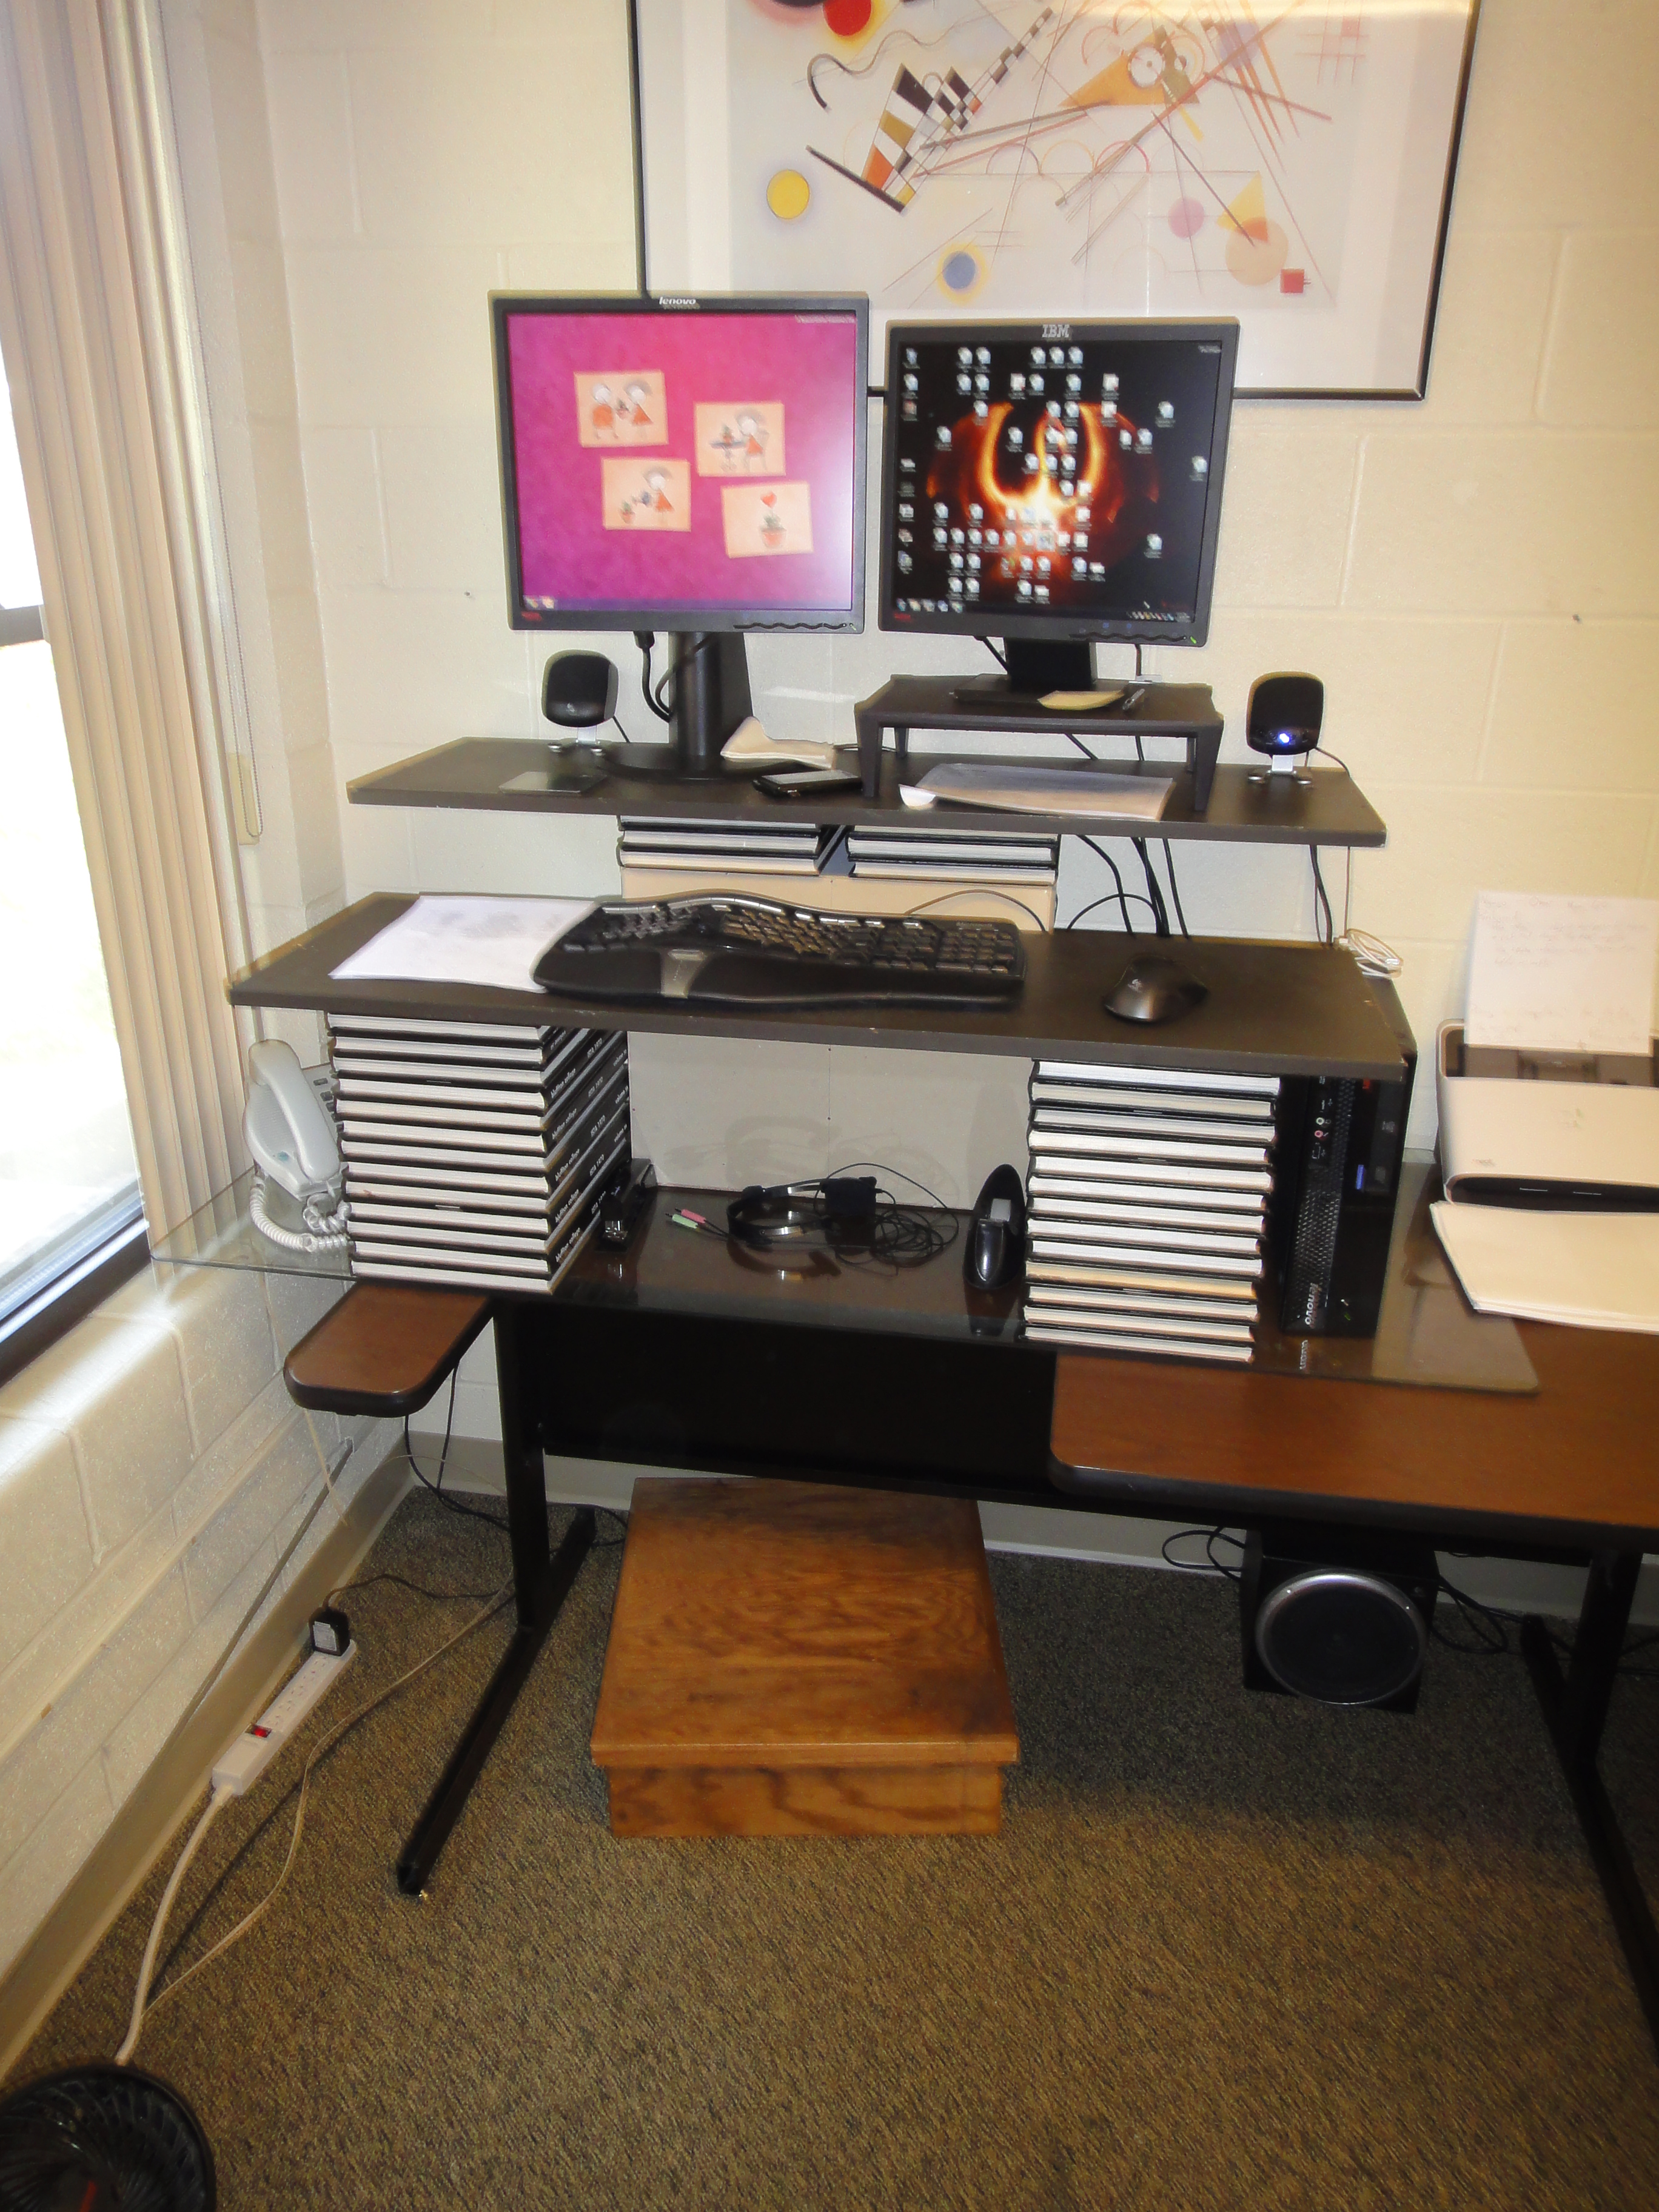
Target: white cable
<point>148,1968</point>
<point>1375,957</point>
<point>322,1233</point>
<point>323,1745</point>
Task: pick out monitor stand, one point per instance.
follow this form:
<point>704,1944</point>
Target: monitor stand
<point>709,687</point>
<point>1035,667</point>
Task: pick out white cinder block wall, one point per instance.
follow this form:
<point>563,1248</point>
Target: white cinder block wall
<point>153,1470</point>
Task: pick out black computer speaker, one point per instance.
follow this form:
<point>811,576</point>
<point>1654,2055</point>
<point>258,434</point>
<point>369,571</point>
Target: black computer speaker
<point>1336,1615</point>
<point>579,690</point>
<point>1285,713</point>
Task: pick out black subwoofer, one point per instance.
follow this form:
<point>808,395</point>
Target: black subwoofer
<point>1341,1616</point>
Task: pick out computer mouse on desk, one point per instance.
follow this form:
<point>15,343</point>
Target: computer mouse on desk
<point>1154,989</point>
<point>996,1234</point>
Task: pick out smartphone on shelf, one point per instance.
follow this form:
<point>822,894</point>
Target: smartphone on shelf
<point>805,782</point>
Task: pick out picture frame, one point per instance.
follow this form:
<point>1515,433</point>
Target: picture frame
<point>1289,165</point>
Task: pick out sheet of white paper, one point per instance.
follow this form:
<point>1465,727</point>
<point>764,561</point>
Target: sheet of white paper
<point>1097,793</point>
<point>1562,975</point>
<point>454,939</point>
<point>1592,1270</point>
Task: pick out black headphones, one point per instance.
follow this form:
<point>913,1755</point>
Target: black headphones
<point>769,1217</point>
<point>767,1214</point>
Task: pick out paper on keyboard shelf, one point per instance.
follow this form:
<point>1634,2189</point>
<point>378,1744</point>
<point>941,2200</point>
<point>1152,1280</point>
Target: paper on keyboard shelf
<point>450,938</point>
<point>1562,975</point>
<point>1589,1270</point>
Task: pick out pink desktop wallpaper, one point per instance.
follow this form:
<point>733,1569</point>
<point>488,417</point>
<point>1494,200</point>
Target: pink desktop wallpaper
<point>685,462</point>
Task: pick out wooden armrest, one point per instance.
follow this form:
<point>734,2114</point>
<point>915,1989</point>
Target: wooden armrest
<point>383,1349</point>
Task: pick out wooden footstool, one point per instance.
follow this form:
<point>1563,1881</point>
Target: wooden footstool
<point>790,1659</point>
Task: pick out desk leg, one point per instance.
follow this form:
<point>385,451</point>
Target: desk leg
<point>1576,1707</point>
<point>540,1587</point>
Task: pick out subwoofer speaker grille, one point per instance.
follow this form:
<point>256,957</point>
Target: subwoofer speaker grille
<point>1342,1636</point>
<point>1340,1615</point>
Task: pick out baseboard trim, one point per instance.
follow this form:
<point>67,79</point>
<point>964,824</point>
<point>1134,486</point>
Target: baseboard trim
<point>143,1828</point>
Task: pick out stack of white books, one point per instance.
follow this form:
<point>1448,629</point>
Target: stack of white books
<point>965,855</point>
<point>748,848</point>
<point>1148,1192</point>
<point>475,1153</point>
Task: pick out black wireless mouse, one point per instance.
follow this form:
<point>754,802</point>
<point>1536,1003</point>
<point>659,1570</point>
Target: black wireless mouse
<point>1154,989</point>
<point>996,1234</point>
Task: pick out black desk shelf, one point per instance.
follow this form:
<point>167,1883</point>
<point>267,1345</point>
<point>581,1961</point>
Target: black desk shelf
<point>1283,1009</point>
<point>489,773</point>
<point>983,704</point>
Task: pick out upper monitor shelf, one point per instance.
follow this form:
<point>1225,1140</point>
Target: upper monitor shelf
<point>507,773</point>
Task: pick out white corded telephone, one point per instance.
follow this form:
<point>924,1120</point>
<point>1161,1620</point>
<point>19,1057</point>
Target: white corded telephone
<point>290,1134</point>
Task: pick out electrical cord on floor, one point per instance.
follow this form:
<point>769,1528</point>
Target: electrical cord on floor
<point>453,1505</point>
<point>1209,1565</point>
<point>319,1751</point>
<point>436,1487</point>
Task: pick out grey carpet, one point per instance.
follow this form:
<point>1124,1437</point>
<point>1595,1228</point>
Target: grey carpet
<point>1229,1950</point>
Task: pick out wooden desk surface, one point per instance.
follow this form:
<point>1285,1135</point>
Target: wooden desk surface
<point>1576,1465</point>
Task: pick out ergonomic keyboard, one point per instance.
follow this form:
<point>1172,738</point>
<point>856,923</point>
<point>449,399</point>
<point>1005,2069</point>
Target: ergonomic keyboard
<point>754,952</point>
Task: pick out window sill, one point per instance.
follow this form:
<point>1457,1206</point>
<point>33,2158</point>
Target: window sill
<point>70,1297</point>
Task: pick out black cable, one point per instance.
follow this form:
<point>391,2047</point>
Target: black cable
<point>1072,737</point>
<point>645,639</point>
<point>1175,888</point>
<point>1108,898</point>
<point>621,733</point>
<point>666,699</point>
<point>995,652</point>
<point>1122,896</point>
<point>1321,899</point>
<point>442,1597</point>
<point>1209,1565</point>
<point>472,1512</point>
<point>1154,894</point>
<point>1337,757</point>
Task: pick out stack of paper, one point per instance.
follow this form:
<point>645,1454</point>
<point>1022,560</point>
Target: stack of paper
<point>1593,1270</point>
<point>1561,976</point>
<point>1092,793</point>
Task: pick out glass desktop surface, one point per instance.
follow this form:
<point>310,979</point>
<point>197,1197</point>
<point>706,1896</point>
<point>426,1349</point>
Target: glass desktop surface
<point>671,1270</point>
<point>1427,1334</point>
<point>221,1234</point>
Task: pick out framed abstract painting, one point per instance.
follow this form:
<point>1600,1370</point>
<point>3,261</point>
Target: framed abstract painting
<point>1285,161</point>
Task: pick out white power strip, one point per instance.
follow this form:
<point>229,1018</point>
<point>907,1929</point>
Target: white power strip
<point>253,1752</point>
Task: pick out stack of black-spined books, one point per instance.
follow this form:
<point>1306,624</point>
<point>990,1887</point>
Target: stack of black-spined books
<point>475,1153</point>
<point>1148,1189</point>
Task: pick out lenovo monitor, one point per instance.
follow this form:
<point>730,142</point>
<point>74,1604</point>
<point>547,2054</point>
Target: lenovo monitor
<point>695,465</point>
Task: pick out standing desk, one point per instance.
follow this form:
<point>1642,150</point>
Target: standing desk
<point>685,1352</point>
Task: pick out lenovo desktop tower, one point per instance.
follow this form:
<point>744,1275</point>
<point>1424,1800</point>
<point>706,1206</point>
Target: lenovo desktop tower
<point>1340,1141</point>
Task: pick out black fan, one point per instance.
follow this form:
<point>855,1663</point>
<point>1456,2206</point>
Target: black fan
<point>102,2138</point>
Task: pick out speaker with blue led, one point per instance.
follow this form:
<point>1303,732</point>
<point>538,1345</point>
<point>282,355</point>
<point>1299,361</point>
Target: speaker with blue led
<point>1283,720</point>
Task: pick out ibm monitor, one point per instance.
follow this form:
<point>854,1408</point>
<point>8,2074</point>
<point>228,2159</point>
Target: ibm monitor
<point>1055,484</point>
<point>694,465</point>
